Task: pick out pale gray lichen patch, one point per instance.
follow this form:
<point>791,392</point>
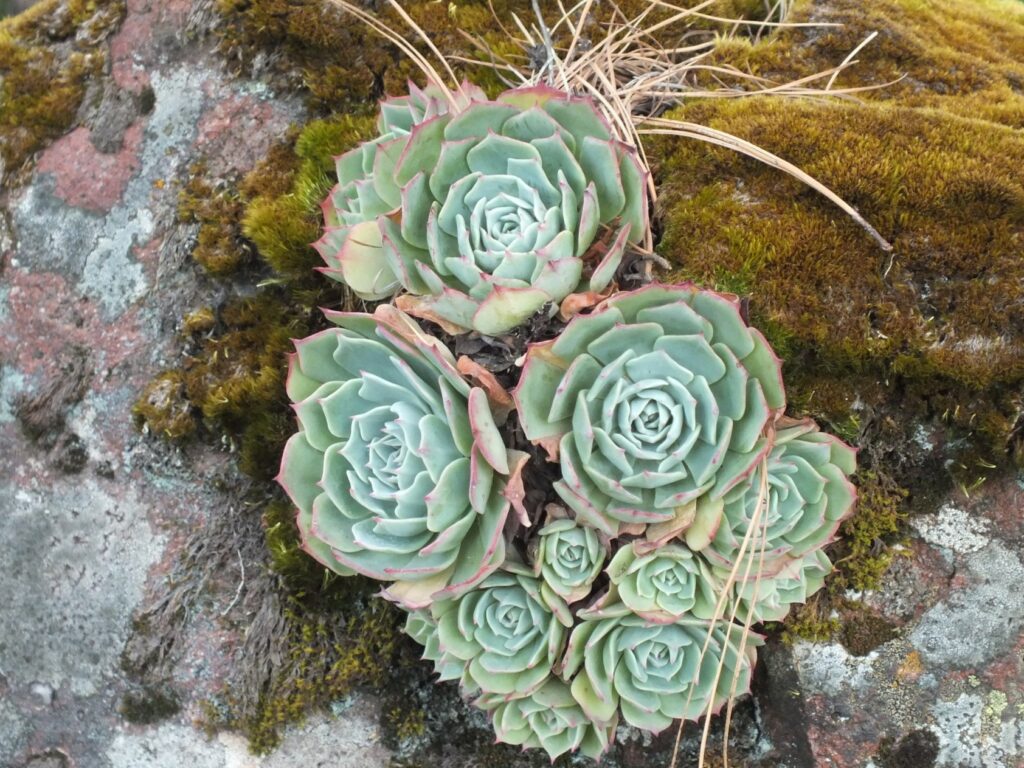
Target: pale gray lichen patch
<point>966,742</point>
<point>76,558</point>
<point>97,251</point>
<point>349,742</point>
<point>12,386</point>
<point>954,529</point>
<point>830,669</point>
<point>12,728</point>
<point>171,746</point>
<point>980,622</point>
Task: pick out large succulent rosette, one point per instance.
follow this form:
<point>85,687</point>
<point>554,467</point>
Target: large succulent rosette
<point>658,397</point>
<point>398,469</point>
<point>365,186</point>
<point>485,211</point>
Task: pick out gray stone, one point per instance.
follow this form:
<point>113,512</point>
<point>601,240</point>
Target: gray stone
<point>980,622</point>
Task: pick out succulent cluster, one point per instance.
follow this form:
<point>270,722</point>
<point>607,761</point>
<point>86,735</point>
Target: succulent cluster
<point>686,506</point>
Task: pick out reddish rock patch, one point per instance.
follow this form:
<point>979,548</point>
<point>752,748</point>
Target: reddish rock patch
<point>238,131</point>
<point>44,303</point>
<point>87,178</point>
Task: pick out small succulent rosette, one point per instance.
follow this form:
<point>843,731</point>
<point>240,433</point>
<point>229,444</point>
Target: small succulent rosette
<point>551,719</point>
<point>662,585</point>
<point>398,469</point>
<point>807,495</point>
<point>655,673</point>
<point>501,638</point>
<point>568,556</point>
<point>485,211</point>
<point>658,397</point>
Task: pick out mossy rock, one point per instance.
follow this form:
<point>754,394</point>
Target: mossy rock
<point>47,55</point>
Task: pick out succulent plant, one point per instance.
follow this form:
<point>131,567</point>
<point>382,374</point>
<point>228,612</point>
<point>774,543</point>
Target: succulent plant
<point>657,398</point>
<point>807,497</point>
<point>656,673</point>
<point>548,719</point>
<point>351,244</point>
<point>422,628</point>
<point>661,585</point>
<point>398,469</point>
<point>487,213</point>
<point>568,558</point>
<point>770,598</point>
<point>501,637</point>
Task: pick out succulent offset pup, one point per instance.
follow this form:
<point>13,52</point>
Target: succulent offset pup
<point>484,211</point>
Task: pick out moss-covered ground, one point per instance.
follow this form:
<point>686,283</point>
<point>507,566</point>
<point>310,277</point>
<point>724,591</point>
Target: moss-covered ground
<point>876,343</point>
<point>47,55</point>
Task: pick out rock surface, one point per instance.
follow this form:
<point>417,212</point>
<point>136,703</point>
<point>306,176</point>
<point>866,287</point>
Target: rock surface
<point>95,278</point>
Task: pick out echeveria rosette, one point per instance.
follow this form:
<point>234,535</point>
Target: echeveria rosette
<point>398,469</point>
<point>569,557</point>
<point>351,245</point>
<point>808,496</point>
<point>549,719</point>
<point>488,213</point>
<point>656,673</point>
<point>662,585</point>
<point>502,637</point>
<point>770,598</point>
<point>657,398</point>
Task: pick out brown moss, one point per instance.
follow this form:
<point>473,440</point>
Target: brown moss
<point>340,637</point>
<point>961,57</point>
<point>863,631</point>
<point>163,409</point>
<point>44,66</point>
<point>344,67</point>
<point>917,749</point>
<point>217,208</point>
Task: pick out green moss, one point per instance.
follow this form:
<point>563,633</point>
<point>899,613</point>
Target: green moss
<point>44,67</point>
<point>862,554</point>
<point>283,224</point>
<point>811,621</point>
